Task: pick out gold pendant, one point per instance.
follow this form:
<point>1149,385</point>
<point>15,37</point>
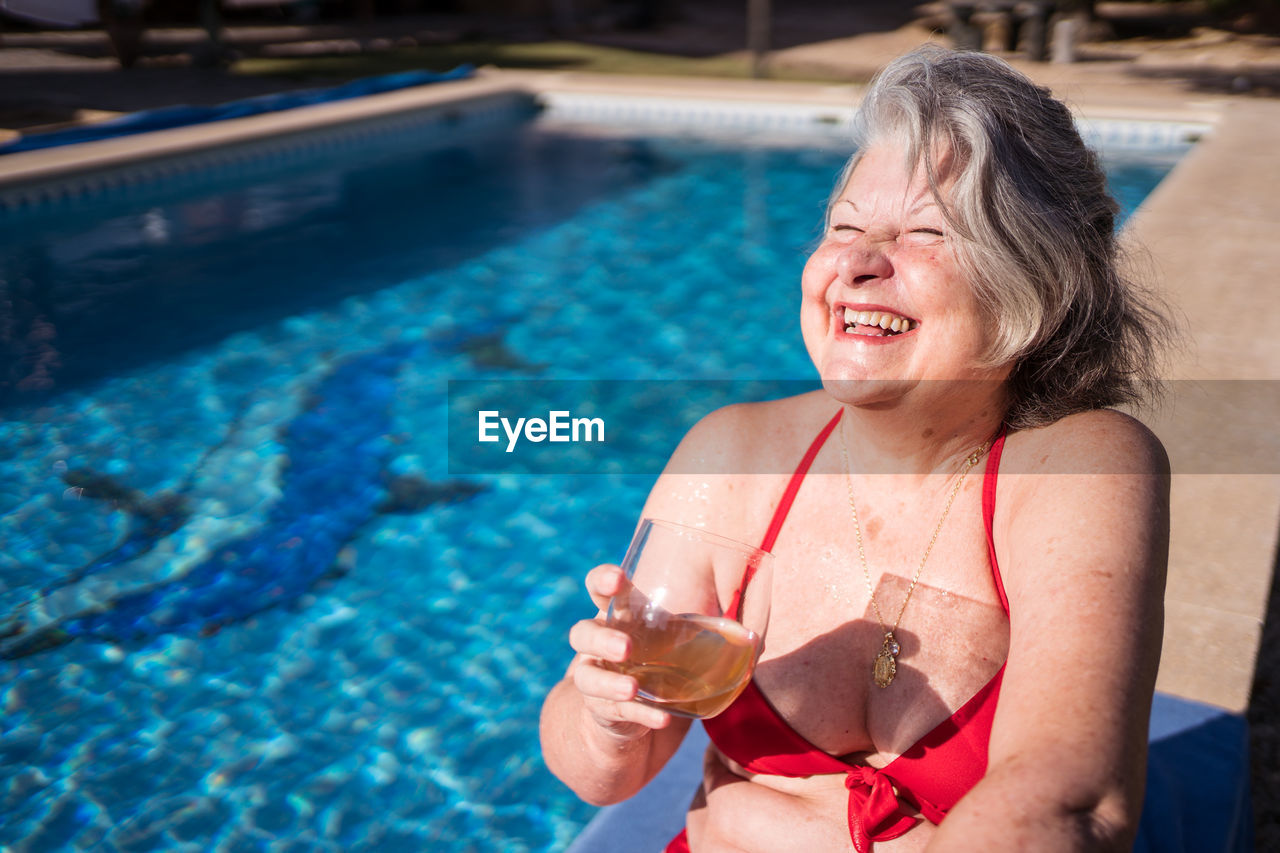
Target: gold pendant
<point>886,665</point>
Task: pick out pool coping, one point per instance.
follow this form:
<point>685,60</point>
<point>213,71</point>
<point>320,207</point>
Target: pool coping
<point>659,99</point>
<point>1224,536</point>
<point>33,175</point>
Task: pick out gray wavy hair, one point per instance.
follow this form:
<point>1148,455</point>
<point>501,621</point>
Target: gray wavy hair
<point>1035,225</point>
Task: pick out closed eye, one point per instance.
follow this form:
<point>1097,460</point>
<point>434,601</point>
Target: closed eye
<point>924,237</point>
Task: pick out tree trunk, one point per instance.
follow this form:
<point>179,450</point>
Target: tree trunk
<point>211,20</point>
<point>123,25</point>
<point>758,31</point>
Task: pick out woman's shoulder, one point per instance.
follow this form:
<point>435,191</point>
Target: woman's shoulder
<point>766,437</point>
<point>730,467</point>
<point>1099,480</point>
<point>1098,441</point>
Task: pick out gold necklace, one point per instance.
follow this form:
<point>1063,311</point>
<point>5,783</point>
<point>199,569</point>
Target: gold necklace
<point>886,665</point>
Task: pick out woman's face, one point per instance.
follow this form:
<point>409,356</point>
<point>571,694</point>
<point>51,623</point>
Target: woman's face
<point>886,309</point>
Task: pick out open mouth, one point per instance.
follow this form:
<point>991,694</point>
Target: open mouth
<point>876,324</point>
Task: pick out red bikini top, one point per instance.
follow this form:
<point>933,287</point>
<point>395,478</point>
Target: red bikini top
<point>933,774</point>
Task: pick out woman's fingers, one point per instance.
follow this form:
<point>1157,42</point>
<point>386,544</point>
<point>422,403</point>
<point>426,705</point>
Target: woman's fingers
<point>609,695</point>
<point>599,683</point>
<point>624,718</point>
<point>593,638</point>
<point>603,583</point>
<point>642,715</point>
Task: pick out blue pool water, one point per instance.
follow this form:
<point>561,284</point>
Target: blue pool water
<point>243,603</point>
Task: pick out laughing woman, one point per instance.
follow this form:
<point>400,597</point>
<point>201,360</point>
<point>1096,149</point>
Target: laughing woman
<point>970,547</point>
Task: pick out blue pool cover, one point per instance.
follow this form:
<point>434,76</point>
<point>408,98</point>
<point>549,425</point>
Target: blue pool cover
<point>1197,799</point>
<point>183,115</point>
<point>1198,796</point>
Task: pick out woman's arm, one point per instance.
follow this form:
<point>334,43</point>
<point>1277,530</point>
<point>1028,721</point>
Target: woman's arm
<point>1082,538</point>
<point>594,737</point>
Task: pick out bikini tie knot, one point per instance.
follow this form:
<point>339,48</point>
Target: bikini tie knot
<point>874,813</point>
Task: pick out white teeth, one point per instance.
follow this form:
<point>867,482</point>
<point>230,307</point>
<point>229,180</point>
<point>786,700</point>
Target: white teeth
<point>883,319</point>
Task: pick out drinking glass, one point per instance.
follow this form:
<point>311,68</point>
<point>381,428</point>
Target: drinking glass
<point>696,606</point>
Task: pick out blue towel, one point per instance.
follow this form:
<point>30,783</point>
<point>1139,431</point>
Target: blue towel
<point>183,115</point>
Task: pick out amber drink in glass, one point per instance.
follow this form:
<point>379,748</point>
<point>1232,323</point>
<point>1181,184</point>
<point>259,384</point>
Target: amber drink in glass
<point>696,606</point>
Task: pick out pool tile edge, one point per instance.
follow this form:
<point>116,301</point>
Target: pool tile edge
<point>50,174</point>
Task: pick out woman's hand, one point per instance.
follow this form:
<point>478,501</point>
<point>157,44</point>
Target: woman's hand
<point>608,697</point>
<point>595,737</point>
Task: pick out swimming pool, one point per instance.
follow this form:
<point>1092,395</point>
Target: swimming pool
<point>323,638</point>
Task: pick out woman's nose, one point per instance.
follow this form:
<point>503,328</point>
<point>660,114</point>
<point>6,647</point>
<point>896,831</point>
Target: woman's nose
<point>863,262</point>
